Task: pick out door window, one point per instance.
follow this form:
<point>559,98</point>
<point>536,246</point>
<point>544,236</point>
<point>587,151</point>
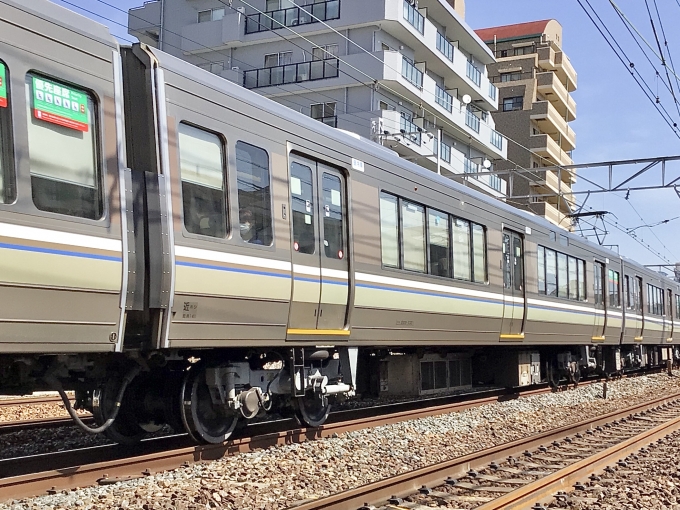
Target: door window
<point>518,263</point>
<point>255,210</point>
<point>333,217</point>
<point>302,195</point>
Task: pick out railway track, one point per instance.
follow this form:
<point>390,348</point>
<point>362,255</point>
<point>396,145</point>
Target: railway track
<point>522,473</point>
<point>34,475</point>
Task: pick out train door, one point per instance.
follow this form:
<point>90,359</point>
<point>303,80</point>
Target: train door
<point>633,323</point>
<point>599,292</point>
<point>514,299</point>
<point>319,252</point>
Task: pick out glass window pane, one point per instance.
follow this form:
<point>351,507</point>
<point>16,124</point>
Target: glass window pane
<point>7,179</point>
<point>479,249</point>
<point>573,278</point>
<point>551,272</point>
<point>201,162</point>
<point>204,16</point>
<point>62,147</point>
<point>541,270</point>
<point>438,223</point>
<point>302,200</point>
<point>333,217</point>
<point>562,275</point>
<point>252,175</point>
<point>507,262</point>
<point>389,230</point>
<point>461,249</point>
<point>413,235</point>
<point>518,263</point>
<point>217,14</point>
<point>582,280</point>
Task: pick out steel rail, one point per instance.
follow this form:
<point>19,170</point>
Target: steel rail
<point>436,474</point>
<point>563,479</point>
<point>21,401</point>
<point>8,427</point>
<point>84,467</point>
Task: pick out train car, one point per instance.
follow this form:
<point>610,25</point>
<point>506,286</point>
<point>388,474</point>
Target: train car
<point>180,250</point>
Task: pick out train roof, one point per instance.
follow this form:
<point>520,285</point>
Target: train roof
<point>66,18</point>
<point>361,144</point>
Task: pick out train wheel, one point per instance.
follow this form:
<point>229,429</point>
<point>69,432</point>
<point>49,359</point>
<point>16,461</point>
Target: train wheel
<point>125,429</point>
<point>312,410</point>
<point>204,421</point>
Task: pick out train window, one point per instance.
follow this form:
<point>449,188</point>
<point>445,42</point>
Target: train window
<point>461,249</point>
<point>333,217</point>
<point>582,280</point>
<point>479,253</point>
<point>637,294</point>
<point>438,236</point>
<point>302,195</point>
<point>573,278</point>
<point>562,275</point>
<point>655,300</point>
<point>63,148</point>
<point>201,161</point>
<point>389,230</point>
<point>518,263</point>
<point>254,195</point>
<point>541,269</point>
<point>598,285</point>
<point>677,306</point>
<point>614,289</point>
<point>662,301</point>
<point>551,272</point>
<point>413,236</point>
<point>626,292</point>
<point>7,179</point>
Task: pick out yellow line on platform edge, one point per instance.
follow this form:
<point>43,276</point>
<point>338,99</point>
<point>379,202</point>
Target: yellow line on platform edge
<point>336,332</point>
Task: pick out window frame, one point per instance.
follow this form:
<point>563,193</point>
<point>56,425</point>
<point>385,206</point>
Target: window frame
<point>225,181</point>
<point>272,217</point>
<point>8,154</point>
<point>101,170</point>
<point>517,103</point>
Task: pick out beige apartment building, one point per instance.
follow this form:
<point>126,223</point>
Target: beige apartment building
<point>535,80</point>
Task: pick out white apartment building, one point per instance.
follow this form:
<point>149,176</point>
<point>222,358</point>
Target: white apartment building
<point>408,74</point>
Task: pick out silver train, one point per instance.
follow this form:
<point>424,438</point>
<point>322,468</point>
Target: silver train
<point>179,250</point>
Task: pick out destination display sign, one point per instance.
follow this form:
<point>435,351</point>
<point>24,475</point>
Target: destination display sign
<point>58,104</point>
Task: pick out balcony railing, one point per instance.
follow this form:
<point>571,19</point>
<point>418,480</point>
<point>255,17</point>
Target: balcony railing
<point>493,91</point>
<point>412,15</point>
<point>291,73</point>
<point>496,183</point>
<point>497,140</point>
<point>293,16</point>
<point>474,74</point>
<point>410,131</point>
<point>411,73</point>
<point>469,166</point>
<point>472,121</point>
<point>444,46</point>
<point>443,98</point>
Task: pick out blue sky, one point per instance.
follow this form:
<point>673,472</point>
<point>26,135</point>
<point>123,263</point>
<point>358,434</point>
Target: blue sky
<point>614,119</point>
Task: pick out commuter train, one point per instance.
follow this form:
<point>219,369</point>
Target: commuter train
<point>179,250</point>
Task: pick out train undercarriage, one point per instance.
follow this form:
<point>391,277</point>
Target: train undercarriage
<point>212,394</point>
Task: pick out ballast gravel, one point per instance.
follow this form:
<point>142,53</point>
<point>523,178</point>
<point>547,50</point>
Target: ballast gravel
<point>282,476</point>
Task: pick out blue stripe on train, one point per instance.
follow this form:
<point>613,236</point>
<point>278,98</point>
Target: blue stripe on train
<point>66,253</point>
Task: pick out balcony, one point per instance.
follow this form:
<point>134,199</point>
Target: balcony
<point>422,149</point>
<point>449,61</point>
<point>493,92</point>
<point>411,73</point>
<point>472,121</point>
<point>444,46</point>
<point>549,121</point>
<point>546,147</point>
<point>555,60</point>
<point>291,73</point>
<point>443,98</point>
<point>496,139</point>
<point>415,19</point>
<point>550,86</point>
<point>551,213</point>
<point>293,16</point>
<point>473,73</point>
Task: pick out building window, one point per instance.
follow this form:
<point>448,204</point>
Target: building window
<point>383,105</point>
<point>514,76</point>
<point>445,152</point>
<point>210,15</point>
<point>513,103</point>
<point>278,59</point>
<point>524,50</point>
<point>325,112</point>
<point>323,52</point>
<point>503,53</point>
